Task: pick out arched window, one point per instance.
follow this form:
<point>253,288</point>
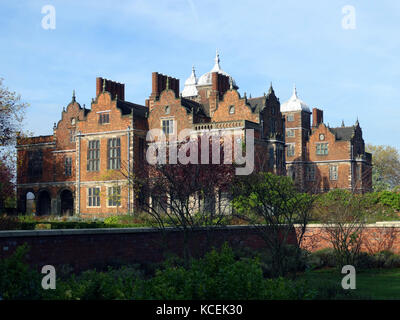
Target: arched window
<point>167,110</point>
<point>231,109</point>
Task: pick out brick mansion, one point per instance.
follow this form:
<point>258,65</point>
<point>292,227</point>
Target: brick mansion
<point>73,171</point>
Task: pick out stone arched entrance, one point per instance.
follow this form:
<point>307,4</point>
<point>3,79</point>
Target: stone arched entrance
<point>67,202</point>
<point>30,203</point>
<point>43,203</point>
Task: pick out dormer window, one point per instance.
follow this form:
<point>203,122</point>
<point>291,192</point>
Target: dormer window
<point>231,109</point>
<point>72,135</point>
<point>104,118</point>
<point>168,126</point>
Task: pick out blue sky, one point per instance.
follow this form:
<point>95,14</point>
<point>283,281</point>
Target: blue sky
<point>348,73</point>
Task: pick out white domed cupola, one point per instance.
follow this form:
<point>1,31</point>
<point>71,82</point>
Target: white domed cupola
<point>205,79</point>
<point>190,89</point>
<point>294,104</point>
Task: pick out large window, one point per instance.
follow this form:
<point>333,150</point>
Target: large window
<point>94,197</point>
<point>333,172</point>
<point>168,126</point>
<point>290,150</point>
<point>35,163</point>
<point>310,172</point>
<point>68,166</point>
<point>104,118</point>
<point>322,149</point>
<point>114,196</point>
<point>93,155</point>
<point>114,153</point>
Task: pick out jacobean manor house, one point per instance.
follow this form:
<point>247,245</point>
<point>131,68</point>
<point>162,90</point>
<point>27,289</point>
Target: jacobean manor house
<point>75,170</point>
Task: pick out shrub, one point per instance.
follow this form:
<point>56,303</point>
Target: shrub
<point>112,220</point>
<point>390,199</point>
<point>43,226</point>
<point>332,290</point>
<point>17,280</point>
<point>377,206</point>
<point>322,258</point>
<point>285,289</point>
<point>8,223</point>
<point>382,259</point>
<point>392,261</point>
<point>115,284</point>
<point>217,276</point>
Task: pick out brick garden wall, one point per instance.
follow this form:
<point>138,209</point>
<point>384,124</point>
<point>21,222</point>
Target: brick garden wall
<point>375,238</point>
<point>84,249</point>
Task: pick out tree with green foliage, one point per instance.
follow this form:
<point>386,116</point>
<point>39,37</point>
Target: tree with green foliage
<point>386,167</point>
<point>278,212</point>
<point>7,185</point>
<point>12,111</point>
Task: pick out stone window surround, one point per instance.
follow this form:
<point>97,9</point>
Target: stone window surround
<point>93,196</point>
<point>169,126</point>
<point>109,188</point>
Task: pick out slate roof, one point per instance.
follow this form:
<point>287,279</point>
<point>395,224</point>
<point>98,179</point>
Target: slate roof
<point>193,105</point>
<point>129,107</point>
<point>86,111</point>
<point>256,104</point>
<point>343,133</point>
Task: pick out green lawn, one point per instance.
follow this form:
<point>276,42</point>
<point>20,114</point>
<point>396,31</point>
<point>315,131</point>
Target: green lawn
<point>374,284</point>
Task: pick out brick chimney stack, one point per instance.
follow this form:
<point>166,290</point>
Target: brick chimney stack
<point>159,84</point>
<point>114,88</point>
<point>219,83</point>
<point>318,117</point>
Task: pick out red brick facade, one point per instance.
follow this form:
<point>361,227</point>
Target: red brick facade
<point>325,158</point>
<point>79,169</point>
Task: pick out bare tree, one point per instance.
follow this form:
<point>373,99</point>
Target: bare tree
<point>184,196</point>
<point>343,225</point>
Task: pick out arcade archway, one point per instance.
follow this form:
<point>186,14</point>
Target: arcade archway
<point>67,202</point>
<point>30,206</point>
<point>43,205</point>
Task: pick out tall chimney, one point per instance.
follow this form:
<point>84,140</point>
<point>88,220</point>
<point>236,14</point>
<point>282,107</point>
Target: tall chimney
<point>318,117</point>
<point>113,87</point>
